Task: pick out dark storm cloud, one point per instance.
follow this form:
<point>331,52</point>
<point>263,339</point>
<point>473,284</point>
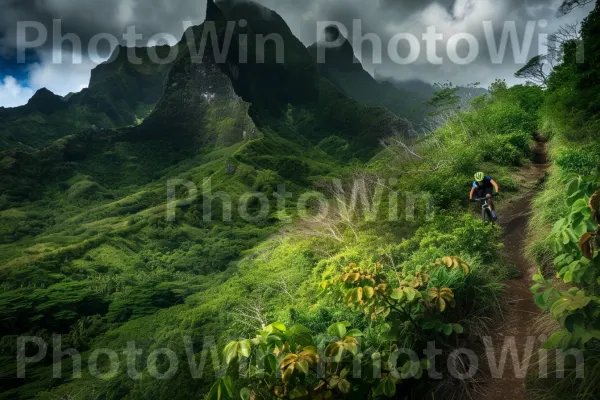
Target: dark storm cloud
<point>86,18</point>
<point>388,17</point>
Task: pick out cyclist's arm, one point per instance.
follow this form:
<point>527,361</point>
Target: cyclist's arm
<point>496,187</point>
<point>472,193</point>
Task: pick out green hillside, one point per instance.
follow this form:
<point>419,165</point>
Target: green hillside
<point>258,230</point>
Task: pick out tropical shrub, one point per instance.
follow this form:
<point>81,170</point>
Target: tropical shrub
<point>344,363</point>
<point>577,161</point>
<point>575,241</point>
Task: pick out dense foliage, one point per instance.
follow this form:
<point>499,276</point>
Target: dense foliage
<point>564,228</point>
<point>87,251</point>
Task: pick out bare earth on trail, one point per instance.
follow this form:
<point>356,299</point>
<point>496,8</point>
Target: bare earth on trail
<point>521,313</point>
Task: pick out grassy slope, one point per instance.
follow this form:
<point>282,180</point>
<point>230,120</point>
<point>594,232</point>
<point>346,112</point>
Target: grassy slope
<point>86,248</point>
<point>88,252</point>
<point>140,278</point>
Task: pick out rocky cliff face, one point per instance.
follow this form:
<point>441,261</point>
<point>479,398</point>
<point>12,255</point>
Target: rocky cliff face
<point>273,68</point>
<point>199,105</point>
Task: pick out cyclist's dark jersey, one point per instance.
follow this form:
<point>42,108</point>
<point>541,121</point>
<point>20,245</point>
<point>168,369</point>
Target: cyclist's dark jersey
<point>485,186</point>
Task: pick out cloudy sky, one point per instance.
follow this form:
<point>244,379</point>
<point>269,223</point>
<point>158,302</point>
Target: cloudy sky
<point>385,19</point>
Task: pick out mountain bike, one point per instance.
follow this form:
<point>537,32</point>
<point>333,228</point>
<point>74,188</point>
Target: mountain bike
<point>486,209</point>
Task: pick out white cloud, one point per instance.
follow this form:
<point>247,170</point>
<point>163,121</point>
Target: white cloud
<point>12,94</point>
<point>61,78</point>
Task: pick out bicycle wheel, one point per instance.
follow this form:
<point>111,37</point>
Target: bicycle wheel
<point>488,214</point>
<point>485,216</point>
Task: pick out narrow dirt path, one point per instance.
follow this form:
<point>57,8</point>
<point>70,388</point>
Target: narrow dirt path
<point>521,312</point>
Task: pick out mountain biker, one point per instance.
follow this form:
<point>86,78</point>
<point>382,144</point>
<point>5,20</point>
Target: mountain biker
<point>484,186</point>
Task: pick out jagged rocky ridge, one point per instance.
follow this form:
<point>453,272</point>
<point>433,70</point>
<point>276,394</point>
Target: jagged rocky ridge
<point>206,104</point>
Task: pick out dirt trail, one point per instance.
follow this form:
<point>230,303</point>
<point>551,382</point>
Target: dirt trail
<point>521,313</point>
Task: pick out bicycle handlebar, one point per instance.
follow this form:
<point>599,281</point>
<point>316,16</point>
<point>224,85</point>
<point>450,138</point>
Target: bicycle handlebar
<point>484,198</point>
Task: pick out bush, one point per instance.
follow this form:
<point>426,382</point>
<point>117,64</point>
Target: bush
<point>577,161</point>
<point>500,149</point>
<point>335,146</point>
<point>521,140</point>
<point>266,181</point>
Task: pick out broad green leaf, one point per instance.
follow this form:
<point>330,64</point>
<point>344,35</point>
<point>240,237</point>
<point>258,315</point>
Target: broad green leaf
<point>427,325</point>
<point>575,324</point>
<point>301,335</point>
<point>458,328</point>
<point>344,386</point>
<point>558,340</point>
<point>245,393</point>
<point>558,226</point>
<point>354,333</point>
<point>279,326</point>
<point>397,294</point>
<point>376,356</point>
<point>302,366</point>
<point>230,352</point>
<point>579,205</point>
<point>568,276</point>
<point>447,329</point>
<point>338,329</point>
<point>357,295</point>
<point>570,200</point>
<point>565,238</point>
<point>572,236</point>
<point>580,229</point>
<point>406,368</point>
<point>287,374</point>
<point>222,389</point>
<point>388,388</point>
<point>333,382</point>
<point>270,362</point>
<point>572,187</point>
<point>298,392</point>
<point>244,348</point>
<point>335,351</point>
<point>395,376</point>
<point>410,293</point>
<point>539,300</point>
<point>299,329</point>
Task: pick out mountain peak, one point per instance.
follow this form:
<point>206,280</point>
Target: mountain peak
<point>45,102</point>
<point>42,93</point>
<point>335,51</point>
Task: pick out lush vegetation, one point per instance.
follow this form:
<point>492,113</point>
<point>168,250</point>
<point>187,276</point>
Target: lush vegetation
<point>283,306</point>
<point>564,229</point>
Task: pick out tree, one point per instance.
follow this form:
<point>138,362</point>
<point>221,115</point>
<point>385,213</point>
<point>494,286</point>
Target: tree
<point>556,42</point>
<point>445,99</point>
<point>447,103</point>
<point>534,71</point>
<point>569,5</point>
